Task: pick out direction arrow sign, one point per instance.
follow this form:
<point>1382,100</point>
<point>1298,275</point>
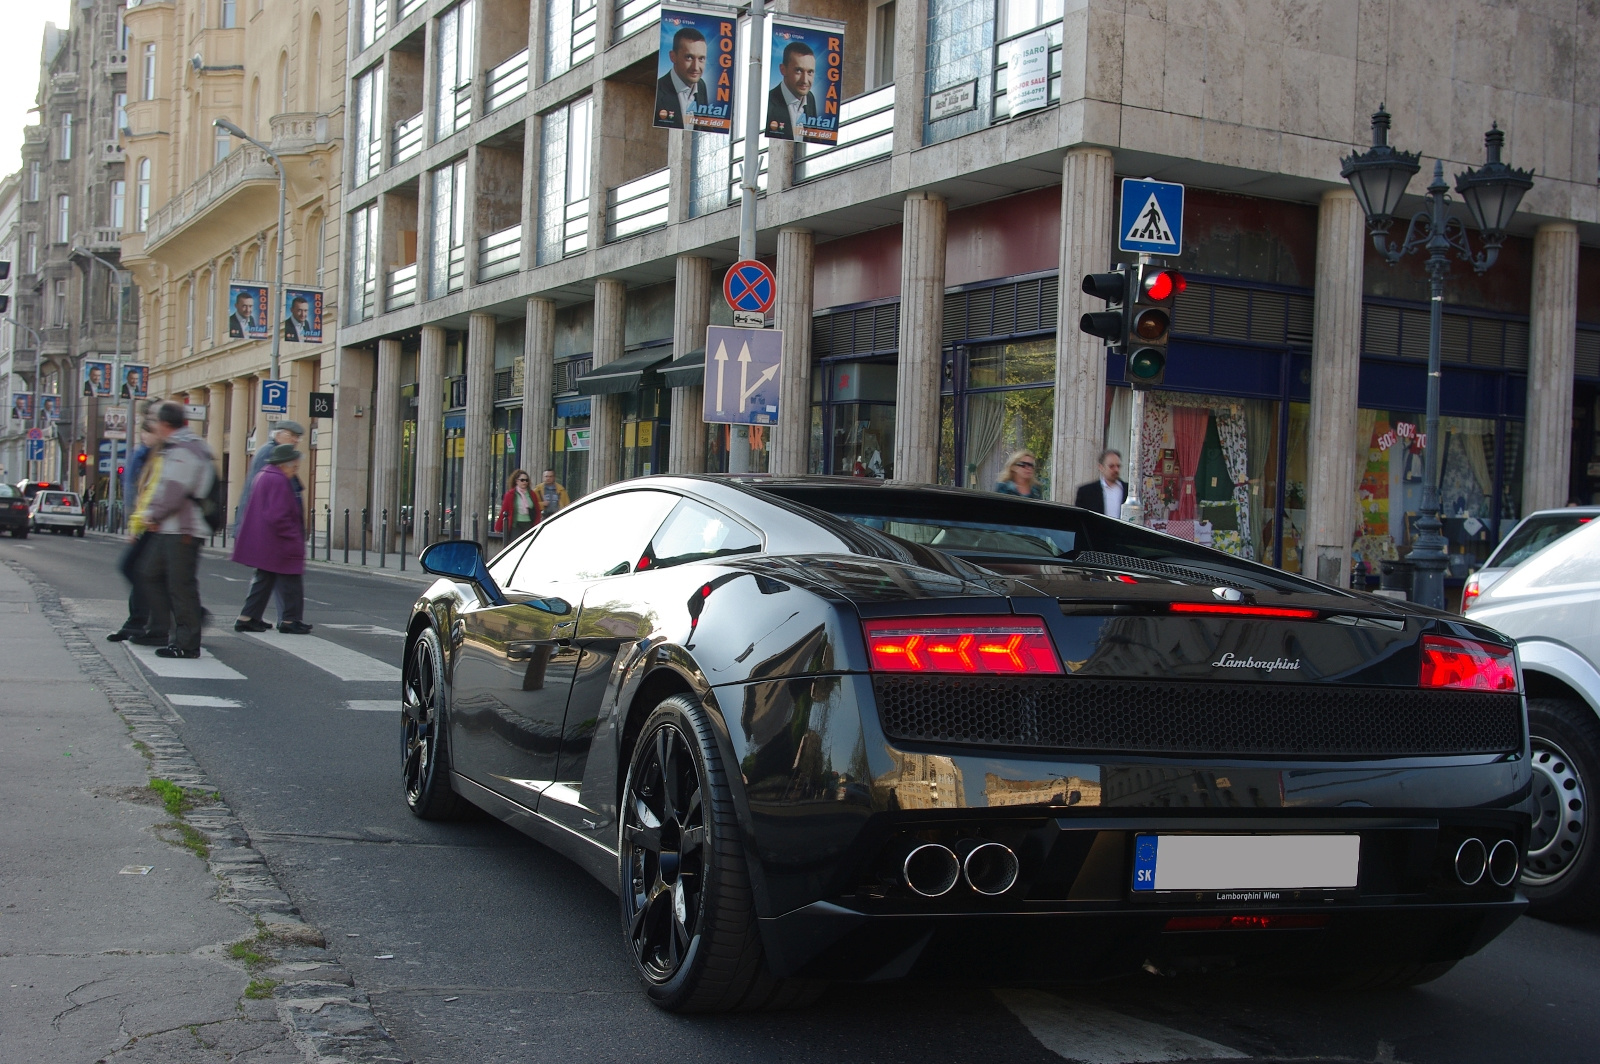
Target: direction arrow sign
<point>1152,217</point>
<point>274,397</point>
<point>749,286</point>
<point>742,375</point>
<point>35,450</point>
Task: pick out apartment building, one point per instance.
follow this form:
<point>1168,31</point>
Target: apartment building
<point>15,374</point>
<point>530,265</point>
<point>74,200</point>
<point>204,218</point>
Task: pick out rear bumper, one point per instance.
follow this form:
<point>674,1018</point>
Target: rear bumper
<point>59,521</point>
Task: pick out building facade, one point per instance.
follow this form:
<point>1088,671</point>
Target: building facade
<point>202,232</point>
<point>530,265</point>
<point>15,374</point>
<point>74,200</point>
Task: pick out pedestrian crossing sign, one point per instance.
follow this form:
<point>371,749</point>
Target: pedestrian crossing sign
<point>1152,217</point>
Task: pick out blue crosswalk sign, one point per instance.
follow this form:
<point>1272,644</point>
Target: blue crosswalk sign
<point>1152,217</point>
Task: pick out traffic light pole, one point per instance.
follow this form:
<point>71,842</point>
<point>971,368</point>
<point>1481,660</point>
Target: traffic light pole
<point>1133,505</point>
<point>750,175</point>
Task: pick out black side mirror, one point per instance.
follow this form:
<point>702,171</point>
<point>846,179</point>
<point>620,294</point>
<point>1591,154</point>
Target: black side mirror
<point>461,559</point>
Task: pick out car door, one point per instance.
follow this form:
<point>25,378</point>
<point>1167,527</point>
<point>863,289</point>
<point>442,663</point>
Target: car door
<point>515,665</point>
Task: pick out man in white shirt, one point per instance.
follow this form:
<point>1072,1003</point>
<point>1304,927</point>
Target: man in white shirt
<point>791,101</point>
<point>1105,495</point>
<point>682,88</point>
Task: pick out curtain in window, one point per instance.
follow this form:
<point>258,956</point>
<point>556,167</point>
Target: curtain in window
<point>1188,436</point>
<point>1119,426</point>
<point>1232,433</point>
<point>1261,427</point>
<point>986,420</point>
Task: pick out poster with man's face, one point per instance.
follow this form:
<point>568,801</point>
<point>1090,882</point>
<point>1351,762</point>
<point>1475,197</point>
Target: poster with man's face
<point>135,382</point>
<point>97,379</point>
<point>805,66</point>
<point>302,315</point>
<point>22,406</point>
<point>696,69</point>
<point>50,407</point>
<point>247,312</point>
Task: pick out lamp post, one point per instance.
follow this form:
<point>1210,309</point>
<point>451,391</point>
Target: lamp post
<point>38,353</point>
<point>277,293</point>
<point>1379,176</point>
<point>118,277</point>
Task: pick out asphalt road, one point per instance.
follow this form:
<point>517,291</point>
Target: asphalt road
<point>477,945</point>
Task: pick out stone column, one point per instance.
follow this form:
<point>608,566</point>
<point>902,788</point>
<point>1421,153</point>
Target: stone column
<point>605,411</point>
<point>1552,351</point>
<point>691,313</point>
<point>430,429</point>
<point>791,438</point>
<point>352,440</point>
<point>216,400</point>
<point>1333,468</point>
<point>475,499</point>
<point>238,442</point>
<point>916,430</point>
<point>1087,202</point>
<point>538,379</point>
<point>386,439</point>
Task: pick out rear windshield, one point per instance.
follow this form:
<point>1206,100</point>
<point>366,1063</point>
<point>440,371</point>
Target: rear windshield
<point>8,492</point>
<point>1533,536</point>
<point>59,498</point>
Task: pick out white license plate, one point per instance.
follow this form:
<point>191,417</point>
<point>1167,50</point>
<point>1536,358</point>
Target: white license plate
<point>1163,863</point>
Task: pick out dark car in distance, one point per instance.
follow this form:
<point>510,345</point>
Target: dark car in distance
<point>820,729</point>
<point>14,517</point>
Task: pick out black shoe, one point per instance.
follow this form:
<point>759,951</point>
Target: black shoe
<point>145,639</point>
<point>294,628</point>
<point>121,634</point>
<point>251,626</point>
<point>176,652</point>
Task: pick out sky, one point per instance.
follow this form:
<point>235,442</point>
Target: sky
<point>19,69</point>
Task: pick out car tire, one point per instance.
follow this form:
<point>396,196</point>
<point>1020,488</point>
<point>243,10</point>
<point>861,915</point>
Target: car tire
<point>688,915</point>
<point>78,533</point>
<point>1561,874</point>
<point>425,735</point>
<point>19,533</point>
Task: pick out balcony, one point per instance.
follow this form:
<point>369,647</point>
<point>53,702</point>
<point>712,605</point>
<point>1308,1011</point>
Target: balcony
<point>638,206</point>
<point>298,131</point>
<point>244,166</point>
<point>455,273</point>
<point>115,62</point>
<point>407,138</point>
<point>400,287</point>
<point>408,6</point>
<point>630,16</point>
<point>866,132</point>
<point>500,254</point>
<point>104,238</point>
<point>575,227</point>
<point>64,83</point>
<point>506,83</point>
<point>112,151</point>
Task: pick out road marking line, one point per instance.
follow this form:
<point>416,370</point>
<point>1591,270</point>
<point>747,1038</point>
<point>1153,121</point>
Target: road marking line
<point>365,629</point>
<point>205,667</point>
<point>342,662</point>
<point>374,705</point>
<point>203,701</point>
<point>1091,1034</point>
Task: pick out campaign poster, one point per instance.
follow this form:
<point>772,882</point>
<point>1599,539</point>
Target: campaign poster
<point>805,66</point>
<point>135,382</point>
<point>50,407</point>
<point>696,70</point>
<point>97,379</point>
<point>248,312</point>
<point>302,315</point>
<point>22,406</point>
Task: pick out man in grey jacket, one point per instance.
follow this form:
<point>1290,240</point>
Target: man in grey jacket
<point>171,561</point>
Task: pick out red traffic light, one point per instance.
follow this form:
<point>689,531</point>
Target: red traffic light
<point>1164,284</point>
<point>82,458</point>
<point>119,471</point>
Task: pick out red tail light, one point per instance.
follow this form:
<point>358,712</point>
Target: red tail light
<point>1284,922</point>
<point>1467,665</point>
<point>1292,613</point>
<point>1470,593</point>
<point>1005,646</point>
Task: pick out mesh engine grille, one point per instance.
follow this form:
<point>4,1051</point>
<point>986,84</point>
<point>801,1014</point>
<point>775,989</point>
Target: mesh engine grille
<point>1251,720</point>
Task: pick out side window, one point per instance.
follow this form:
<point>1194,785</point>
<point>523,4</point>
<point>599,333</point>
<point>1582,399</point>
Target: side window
<point>505,563</point>
<point>695,532</point>
<point>600,538</point>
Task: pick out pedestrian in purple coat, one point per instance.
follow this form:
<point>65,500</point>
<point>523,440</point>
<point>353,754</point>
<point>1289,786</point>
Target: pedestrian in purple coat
<point>271,540</point>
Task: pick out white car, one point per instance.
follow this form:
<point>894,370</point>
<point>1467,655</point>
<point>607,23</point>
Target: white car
<point>1550,604</point>
<point>1531,535</point>
<point>57,511</point>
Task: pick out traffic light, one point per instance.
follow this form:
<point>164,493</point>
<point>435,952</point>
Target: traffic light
<point>83,462</point>
<point>5,269</point>
<point>1155,289</point>
<point>1109,325</point>
<point>5,304</point>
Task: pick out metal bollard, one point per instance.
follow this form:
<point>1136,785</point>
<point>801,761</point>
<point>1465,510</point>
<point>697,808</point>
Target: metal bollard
<point>402,546</point>
<point>327,543</point>
<point>383,539</point>
<point>364,526</point>
<point>347,535</point>
<point>475,538</point>
<point>425,540</point>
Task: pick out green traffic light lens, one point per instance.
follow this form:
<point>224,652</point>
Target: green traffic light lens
<point>1146,364</point>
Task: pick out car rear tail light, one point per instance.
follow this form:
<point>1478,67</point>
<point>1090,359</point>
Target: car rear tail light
<point>1292,613</point>
<point>1005,646</point>
<point>1275,922</point>
<point>1466,664</point>
<point>1470,593</point>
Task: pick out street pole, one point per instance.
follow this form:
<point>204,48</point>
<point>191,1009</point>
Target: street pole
<point>1133,505</point>
<point>1428,553</point>
<point>752,129</point>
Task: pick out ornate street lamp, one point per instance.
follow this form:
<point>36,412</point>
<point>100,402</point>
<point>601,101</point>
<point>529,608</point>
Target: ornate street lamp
<point>1379,176</point>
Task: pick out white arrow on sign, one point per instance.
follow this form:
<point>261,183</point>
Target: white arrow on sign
<point>747,390</point>
<point>721,358</point>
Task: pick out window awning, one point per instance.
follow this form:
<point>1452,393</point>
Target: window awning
<point>686,371</point>
<point>625,374</point>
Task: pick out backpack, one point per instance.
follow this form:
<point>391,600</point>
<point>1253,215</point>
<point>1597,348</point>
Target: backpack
<point>214,504</point>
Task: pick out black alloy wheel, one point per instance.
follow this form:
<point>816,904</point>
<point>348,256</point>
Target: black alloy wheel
<point>688,914</point>
<point>424,752</point>
<point>1561,875</point>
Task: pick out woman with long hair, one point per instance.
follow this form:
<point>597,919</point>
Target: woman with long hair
<point>519,508</point>
<point>1020,476</point>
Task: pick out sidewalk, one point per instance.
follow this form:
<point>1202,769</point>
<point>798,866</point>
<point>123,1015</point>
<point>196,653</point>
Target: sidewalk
<point>411,574</point>
<point>133,928</point>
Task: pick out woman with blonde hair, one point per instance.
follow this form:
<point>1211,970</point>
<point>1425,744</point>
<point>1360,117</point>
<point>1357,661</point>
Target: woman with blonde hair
<point>1019,478</point>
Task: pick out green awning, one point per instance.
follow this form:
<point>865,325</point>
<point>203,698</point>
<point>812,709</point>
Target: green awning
<point>684,372</point>
<point>625,374</point>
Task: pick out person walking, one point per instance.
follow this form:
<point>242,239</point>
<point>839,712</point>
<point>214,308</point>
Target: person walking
<point>145,467</point>
<point>172,558</point>
<point>283,432</point>
<point>1018,479</point>
<point>519,508</point>
<point>1105,495</point>
<point>552,496</point>
<point>271,541</point>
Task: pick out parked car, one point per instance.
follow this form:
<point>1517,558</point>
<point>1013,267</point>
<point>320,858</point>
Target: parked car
<point>1550,604</point>
<point>60,512</point>
<point>1531,535</point>
<point>13,512</point>
<point>819,729</point>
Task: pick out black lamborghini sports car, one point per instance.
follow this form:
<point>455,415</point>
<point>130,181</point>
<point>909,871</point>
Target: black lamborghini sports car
<point>817,729</point>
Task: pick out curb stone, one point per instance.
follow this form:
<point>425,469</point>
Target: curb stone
<point>328,1019</point>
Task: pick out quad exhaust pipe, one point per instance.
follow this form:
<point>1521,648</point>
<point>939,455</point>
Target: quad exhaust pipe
<point>932,869</point>
<point>990,868</point>
<point>1474,860</point>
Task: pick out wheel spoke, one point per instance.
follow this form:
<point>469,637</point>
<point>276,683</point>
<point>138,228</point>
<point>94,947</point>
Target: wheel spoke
<point>665,748</point>
<point>647,838</point>
<point>693,838</point>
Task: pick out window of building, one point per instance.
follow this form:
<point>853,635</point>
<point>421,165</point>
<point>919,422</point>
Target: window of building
<point>63,218</point>
<point>64,148</point>
<point>30,252</point>
<point>188,315</point>
<point>564,180</point>
<point>58,303</point>
<point>1001,400</point>
<point>119,111</point>
<point>447,261</point>
<point>283,83</point>
<point>571,28</point>
<point>148,73</point>
<point>368,104</point>
<point>141,196</point>
<point>211,303</point>
<point>452,74</point>
<point>1019,16</point>
<point>255,107</point>
<point>315,72</point>
<point>363,266</point>
<point>316,234</point>
<point>33,182</point>
<point>881,63</point>
<point>124,39</point>
<point>372,22</point>
<point>221,144</point>
<point>119,204</point>
<point>230,14</point>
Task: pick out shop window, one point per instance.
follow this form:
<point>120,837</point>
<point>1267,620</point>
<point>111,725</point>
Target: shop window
<point>738,449</point>
<point>1003,397</point>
